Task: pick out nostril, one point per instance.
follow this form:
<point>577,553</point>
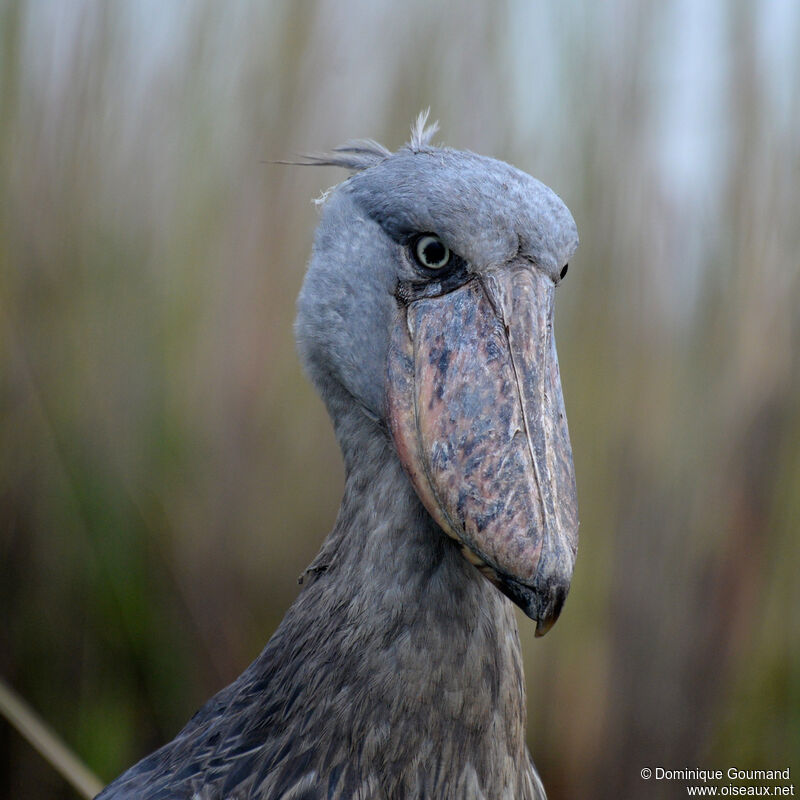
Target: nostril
<point>564,271</point>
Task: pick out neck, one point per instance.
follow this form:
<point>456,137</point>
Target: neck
<point>395,674</point>
<point>400,658</point>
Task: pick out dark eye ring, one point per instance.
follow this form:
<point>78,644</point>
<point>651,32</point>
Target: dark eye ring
<point>431,252</point>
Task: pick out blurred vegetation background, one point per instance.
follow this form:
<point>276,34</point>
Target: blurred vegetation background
<point>166,472</point>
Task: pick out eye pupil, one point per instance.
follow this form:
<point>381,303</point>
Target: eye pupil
<point>431,252</point>
<point>434,252</point>
<point>564,271</point>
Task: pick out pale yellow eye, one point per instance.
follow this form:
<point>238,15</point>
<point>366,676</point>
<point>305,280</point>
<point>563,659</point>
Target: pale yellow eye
<point>431,252</point>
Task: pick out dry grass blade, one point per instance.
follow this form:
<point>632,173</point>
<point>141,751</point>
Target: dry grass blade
<point>49,745</point>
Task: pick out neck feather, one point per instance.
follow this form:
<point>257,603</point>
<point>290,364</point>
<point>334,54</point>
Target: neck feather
<point>395,674</point>
<point>407,659</point>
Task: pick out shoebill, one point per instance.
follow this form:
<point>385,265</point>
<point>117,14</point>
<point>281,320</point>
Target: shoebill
<point>426,323</point>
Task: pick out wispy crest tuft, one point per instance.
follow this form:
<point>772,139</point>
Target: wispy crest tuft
<point>355,155</point>
<point>421,132</point>
<point>360,154</point>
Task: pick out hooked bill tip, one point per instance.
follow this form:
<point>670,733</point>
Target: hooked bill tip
<point>542,603</point>
<point>552,611</point>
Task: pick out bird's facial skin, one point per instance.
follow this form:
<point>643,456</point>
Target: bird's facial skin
<point>477,415</point>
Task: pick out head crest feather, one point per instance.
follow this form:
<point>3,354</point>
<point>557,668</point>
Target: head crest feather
<point>421,132</point>
<point>360,154</point>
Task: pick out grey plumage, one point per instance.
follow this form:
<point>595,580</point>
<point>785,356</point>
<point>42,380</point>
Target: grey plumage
<point>397,671</point>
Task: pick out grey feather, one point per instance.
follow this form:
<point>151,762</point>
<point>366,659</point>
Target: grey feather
<point>422,133</point>
<point>355,155</point>
<point>361,154</point>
